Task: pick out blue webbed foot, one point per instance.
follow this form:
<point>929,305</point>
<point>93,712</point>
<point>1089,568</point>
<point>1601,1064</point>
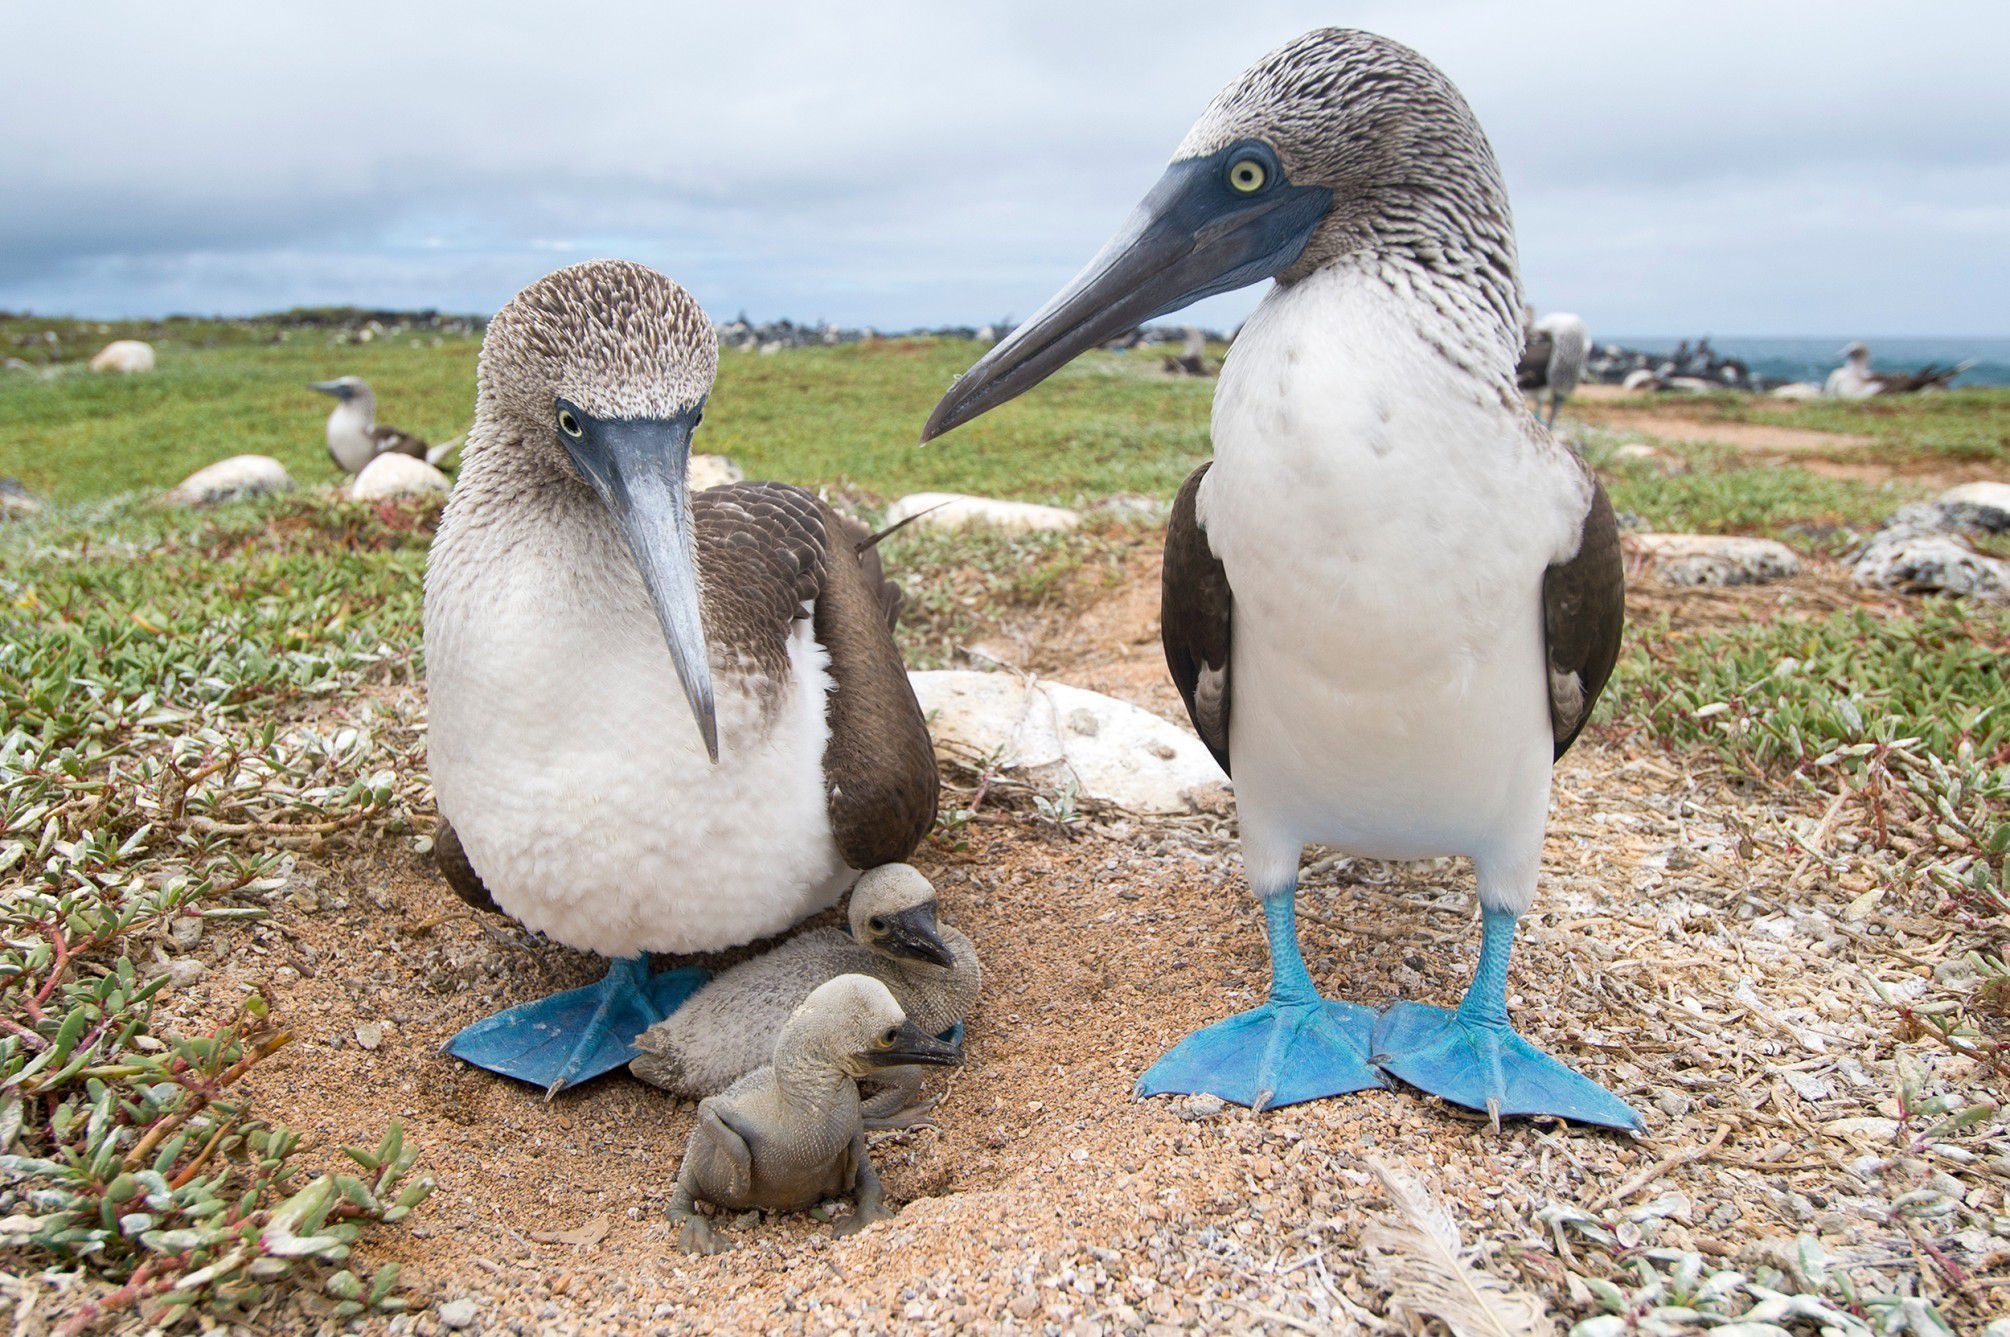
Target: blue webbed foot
<point>577,1035</point>
<point>1484,1065</point>
<point>1277,1054</point>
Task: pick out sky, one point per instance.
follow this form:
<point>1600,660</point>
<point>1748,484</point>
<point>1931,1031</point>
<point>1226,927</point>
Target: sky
<point>1738,168</point>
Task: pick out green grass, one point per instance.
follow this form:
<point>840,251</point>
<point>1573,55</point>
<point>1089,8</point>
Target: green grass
<point>1957,425</point>
<point>846,417</point>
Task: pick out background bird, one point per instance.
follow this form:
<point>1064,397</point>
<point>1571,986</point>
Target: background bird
<point>1552,359</point>
<point>658,722</point>
<point>1393,598</point>
<point>355,437</point>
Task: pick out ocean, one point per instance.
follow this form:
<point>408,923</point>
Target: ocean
<point>1812,359</point>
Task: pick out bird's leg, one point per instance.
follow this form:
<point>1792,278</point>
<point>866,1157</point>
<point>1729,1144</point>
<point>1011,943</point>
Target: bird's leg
<point>1297,1046</point>
<point>1472,1056</point>
<point>869,1196</point>
<point>898,1102</point>
<point>579,1034</point>
<point>694,1232</point>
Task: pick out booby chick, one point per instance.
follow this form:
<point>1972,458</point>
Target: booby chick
<point>1392,598</point>
<point>659,721</point>
<point>789,1135</point>
<point>728,1028</point>
<point>355,437</point>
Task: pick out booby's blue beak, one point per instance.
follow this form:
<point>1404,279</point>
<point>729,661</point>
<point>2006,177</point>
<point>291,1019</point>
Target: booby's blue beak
<point>638,466</point>
<point>1209,226</point>
<point>335,388</point>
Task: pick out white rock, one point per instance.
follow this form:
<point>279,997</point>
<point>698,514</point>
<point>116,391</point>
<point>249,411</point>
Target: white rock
<point>1982,505</point>
<point>1900,559</point>
<point>397,476</point>
<point>124,356</point>
<point>954,510</point>
<point>1712,559</point>
<point>1052,735</point>
<point>229,480</point>
<point>456,1314</point>
<point>1640,379</point>
<point>1796,390</point>
<point>712,471</point>
<point>370,1035</point>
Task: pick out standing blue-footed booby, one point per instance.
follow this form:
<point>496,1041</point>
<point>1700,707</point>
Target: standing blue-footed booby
<point>1392,597</point>
<point>355,437</point>
<point>659,721</point>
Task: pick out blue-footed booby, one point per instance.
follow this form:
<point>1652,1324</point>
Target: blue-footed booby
<point>659,721</point>
<point>355,437</point>
<point>1552,358</point>
<point>1391,598</point>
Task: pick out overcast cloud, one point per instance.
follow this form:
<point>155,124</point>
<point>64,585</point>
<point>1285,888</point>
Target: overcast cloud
<point>1738,168</point>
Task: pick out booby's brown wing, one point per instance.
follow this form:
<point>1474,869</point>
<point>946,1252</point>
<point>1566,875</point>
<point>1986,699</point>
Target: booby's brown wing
<point>391,441</point>
<point>767,551</point>
<point>1194,603</point>
<point>1583,610</point>
<point>460,874</point>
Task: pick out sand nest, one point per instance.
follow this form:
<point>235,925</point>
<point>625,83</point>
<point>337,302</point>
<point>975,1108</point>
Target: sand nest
<point>1712,955</point>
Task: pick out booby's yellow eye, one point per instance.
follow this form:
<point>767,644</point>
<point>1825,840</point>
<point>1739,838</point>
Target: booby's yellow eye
<point>568,422</point>
<point>887,1037</point>
<point>1247,176</point>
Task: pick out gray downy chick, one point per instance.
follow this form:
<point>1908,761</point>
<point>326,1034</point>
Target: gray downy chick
<point>787,1136</point>
<point>728,1028</point>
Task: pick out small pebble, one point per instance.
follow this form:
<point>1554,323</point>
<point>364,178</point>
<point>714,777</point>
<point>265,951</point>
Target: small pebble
<point>185,931</point>
<point>186,972</point>
<point>369,1035</point>
<point>1201,1107</point>
<point>457,1314</point>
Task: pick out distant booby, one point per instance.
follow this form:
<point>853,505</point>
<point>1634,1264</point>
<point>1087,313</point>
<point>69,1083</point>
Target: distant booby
<point>659,721</point>
<point>355,437</point>
<point>1855,380</point>
<point>1392,598</point>
<point>1552,359</point>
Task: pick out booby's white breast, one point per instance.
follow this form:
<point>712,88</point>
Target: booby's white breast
<point>565,756</point>
<point>349,435</point>
<point>1384,518</point>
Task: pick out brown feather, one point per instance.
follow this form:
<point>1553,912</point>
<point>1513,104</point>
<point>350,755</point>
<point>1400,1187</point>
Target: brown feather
<point>1194,605</point>
<point>1583,612</point>
<point>453,863</point>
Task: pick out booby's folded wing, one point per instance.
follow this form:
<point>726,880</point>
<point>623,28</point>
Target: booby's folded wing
<point>453,863</point>
<point>772,554</point>
<point>728,1147</point>
<point>1194,603</point>
<point>1583,609</point>
<point>391,441</point>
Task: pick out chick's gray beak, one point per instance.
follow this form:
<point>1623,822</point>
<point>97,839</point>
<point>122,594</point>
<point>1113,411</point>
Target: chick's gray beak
<point>1193,236</point>
<point>911,1044</point>
<point>913,934</point>
<point>638,467</point>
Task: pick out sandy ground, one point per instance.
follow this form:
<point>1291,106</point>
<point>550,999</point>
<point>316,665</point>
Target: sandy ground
<point>1684,951</point>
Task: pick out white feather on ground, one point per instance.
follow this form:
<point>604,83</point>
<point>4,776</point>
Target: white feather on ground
<point>1416,1255</point>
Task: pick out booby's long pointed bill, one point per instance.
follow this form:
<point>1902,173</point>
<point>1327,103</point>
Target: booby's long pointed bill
<point>1194,235</point>
<point>638,466</point>
<point>914,933</point>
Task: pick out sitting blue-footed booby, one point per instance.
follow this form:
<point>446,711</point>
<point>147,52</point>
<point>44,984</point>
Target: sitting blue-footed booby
<point>659,721</point>
<point>355,437</point>
<point>1392,598</point>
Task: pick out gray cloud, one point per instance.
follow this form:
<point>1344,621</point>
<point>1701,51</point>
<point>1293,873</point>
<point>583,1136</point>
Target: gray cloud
<point>1791,168</point>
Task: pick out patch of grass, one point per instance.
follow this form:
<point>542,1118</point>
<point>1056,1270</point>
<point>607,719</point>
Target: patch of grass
<point>1897,722</point>
<point>1957,425</point>
<point>146,684</point>
<point>1724,492</point>
<point>846,417</point>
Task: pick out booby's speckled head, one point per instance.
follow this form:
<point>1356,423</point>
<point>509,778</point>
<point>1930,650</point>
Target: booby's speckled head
<point>853,1024</point>
<point>1338,144</point>
<point>893,910</point>
<point>601,371</point>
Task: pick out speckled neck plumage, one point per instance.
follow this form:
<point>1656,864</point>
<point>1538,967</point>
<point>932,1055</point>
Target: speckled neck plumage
<point>1418,200</point>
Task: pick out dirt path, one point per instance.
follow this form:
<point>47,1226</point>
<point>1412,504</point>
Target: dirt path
<point>1683,951</point>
